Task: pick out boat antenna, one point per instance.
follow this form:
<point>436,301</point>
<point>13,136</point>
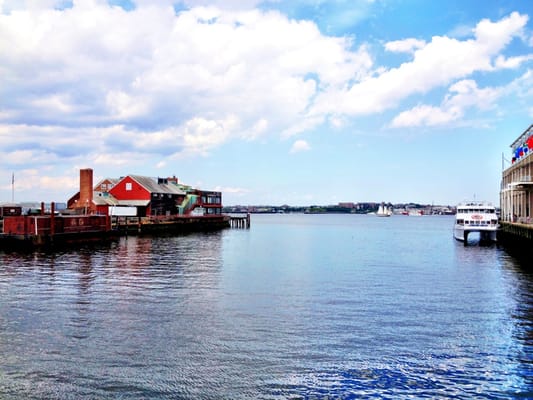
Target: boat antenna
<point>13,188</point>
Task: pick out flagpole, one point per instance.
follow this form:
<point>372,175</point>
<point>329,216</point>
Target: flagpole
<point>13,188</point>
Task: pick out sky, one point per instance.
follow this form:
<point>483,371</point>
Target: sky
<point>304,102</point>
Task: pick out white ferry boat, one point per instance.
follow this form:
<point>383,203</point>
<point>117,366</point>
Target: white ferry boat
<point>476,217</point>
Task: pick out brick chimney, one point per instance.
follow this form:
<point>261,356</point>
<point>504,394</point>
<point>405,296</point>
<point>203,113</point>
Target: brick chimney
<point>86,189</point>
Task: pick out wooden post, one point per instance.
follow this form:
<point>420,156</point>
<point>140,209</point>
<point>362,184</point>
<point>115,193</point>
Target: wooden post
<point>52,219</point>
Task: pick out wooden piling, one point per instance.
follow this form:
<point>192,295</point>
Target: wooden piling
<point>240,222</point>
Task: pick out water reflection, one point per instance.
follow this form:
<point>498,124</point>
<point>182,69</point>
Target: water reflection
<point>518,265</point>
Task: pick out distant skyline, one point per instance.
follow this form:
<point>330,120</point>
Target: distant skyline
<point>271,102</point>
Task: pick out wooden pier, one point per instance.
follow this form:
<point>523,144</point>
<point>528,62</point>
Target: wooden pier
<point>242,222</point>
<point>514,233</point>
<point>169,224</point>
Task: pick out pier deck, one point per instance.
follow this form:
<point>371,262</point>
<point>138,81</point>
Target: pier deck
<point>172,224</point>
<point>515,233</point>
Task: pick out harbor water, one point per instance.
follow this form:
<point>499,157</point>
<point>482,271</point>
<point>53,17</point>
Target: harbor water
<point>296,307</point>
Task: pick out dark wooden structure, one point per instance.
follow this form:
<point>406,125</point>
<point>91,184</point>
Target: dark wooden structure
<point>49,229</point>
<point>240,221</point>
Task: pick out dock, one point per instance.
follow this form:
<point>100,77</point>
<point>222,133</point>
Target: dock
<point>515,233</point>
<point>169,224</point>
<point>48,230</point>
<point>241,222</point>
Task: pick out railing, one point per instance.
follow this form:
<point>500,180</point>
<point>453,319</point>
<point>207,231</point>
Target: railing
<point>189,201</point>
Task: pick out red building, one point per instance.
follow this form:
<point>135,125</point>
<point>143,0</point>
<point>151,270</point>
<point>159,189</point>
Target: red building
<point>143,196</point>
<point>151,197</point>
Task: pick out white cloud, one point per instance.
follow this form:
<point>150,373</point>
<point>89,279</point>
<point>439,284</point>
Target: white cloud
<point>150,82</point>
<point>434,65</point>
<point>22,157</point>
<point>54,103</point>
<point>299,146</point>
<point>113,159</point>
<point>224,4</point>
<point>502,62</point>
<point>425,115</point>
<point>231,190</point>
<point>404,46</point>
<point>302,125</point>
<point>27,179</point>
<point>123,106</point>
<point>200,135</point>
<point>462,96</point>
<point>168,76</point>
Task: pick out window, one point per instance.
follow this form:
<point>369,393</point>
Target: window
<point>128,185</point>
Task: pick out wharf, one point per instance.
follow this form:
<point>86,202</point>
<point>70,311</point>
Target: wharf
<point>515,234</point>
<point>168,225</point>
<point>29,232</point>
<point>46,231</point>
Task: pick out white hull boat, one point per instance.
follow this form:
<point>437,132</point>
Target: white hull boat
<point>477,217</point>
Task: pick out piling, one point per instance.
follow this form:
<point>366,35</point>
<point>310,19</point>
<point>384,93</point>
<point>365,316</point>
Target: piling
<point>513,233</point>
<point>240,222</point>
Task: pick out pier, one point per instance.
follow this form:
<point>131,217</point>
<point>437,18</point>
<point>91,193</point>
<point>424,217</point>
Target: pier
<point>242,222</point>
<point>169,224</point>
<point>515,233</point>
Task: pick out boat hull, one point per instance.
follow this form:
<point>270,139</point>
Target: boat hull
<point>485,234</point>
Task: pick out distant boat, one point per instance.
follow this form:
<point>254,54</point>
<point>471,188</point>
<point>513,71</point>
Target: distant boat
<point>384,211</point>
<point>416,213</point>
<point>476,217</point>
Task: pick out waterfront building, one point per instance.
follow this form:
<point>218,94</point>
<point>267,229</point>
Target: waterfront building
<point>516,198</point>
<point>142,196</point>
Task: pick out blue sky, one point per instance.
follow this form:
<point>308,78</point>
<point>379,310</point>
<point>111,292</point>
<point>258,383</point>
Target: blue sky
<point>275,102</point>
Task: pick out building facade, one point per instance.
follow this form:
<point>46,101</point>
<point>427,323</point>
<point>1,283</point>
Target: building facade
<point>141,196</point>
<point>516,194</point>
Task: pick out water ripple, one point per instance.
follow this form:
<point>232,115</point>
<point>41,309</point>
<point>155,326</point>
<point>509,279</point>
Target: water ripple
<point>298,307</point>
